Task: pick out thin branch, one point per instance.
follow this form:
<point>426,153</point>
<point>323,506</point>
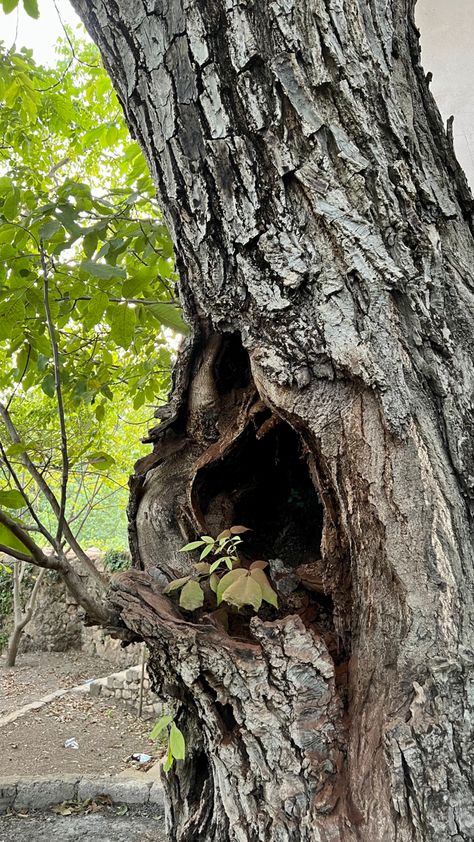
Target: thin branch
<point>22,490</point>
<point>50,496</point>
<point>37,556</point>
<point>34,592</point>
<point>59,396</point>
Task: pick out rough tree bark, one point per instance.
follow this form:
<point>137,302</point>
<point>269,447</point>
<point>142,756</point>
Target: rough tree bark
<point>323,233</point>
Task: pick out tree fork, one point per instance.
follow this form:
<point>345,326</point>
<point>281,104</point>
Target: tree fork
<point>319,215</point>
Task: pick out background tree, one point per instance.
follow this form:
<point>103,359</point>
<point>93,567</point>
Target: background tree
<point>81,343</point>
<point>324,244</point>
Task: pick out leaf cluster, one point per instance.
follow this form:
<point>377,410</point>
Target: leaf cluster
<point>238,587</point>
<point>75,189</point>
<point>176,746</point>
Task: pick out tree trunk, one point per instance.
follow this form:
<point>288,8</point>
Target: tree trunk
<point>323,234</point>
<point>21,617</point>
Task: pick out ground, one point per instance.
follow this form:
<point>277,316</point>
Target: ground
<point>140,825</point>
<point>107,732</point>
<point>39,673</point>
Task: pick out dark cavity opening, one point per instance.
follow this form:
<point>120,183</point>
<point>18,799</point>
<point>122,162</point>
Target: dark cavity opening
<point>264,483</point>
<point>232,366</point>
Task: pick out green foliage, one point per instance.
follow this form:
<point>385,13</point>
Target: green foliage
<point>98,490</point>
<point>6,592</point>
<point>175,742</point>
<point>239,586</point>
<point>117,560</point>
<point>30,6</point>
<point>82,235</point>
<point>75,189</point>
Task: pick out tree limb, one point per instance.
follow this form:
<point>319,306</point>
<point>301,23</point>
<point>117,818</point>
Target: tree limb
<point>59,397</point>
<point>45,532</point>
<point>96,611</point>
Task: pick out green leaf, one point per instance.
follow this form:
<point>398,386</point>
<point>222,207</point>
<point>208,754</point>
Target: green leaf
<point>213,582</point>
<point>102,270</point>
<point>215,565</point>
<point>96,308</point>
<point>169,760</point>
<point>177,744</point>
<point>16,449</point>
<point>227,581</point>
<point>132,286</point>
<point>5,567</point>
<point>160,726</point>
<point>175,585</point>
<point>268,594</point>
<point>49,229</point>
<point>192,596</point>
<point>12,499</point>
<point>90,243</point>
<point>100,460</point>
<point>122,324</point>
<point>9,5</point>
<point>169,316</point>
<point>31,8</point>
<point>10,540</point>
<point>258,565</point>
<point>100,412</point>
<point>207,549</point>
<point>244,591</point>
<point>48,385</point>
<point>192,546</point>
<point>12,314</point>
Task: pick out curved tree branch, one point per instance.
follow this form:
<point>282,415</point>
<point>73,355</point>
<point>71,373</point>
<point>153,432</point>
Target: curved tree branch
<point>96,611</point>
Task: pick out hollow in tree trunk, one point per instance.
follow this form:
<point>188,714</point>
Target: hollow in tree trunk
<point>323,234</point>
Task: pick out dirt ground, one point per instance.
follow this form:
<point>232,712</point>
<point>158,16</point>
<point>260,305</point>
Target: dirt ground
<point>142,825</point>
<point>39,673</point>
<point>107,732</point>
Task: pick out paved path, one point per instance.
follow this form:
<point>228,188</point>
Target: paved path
<point>142,825</point>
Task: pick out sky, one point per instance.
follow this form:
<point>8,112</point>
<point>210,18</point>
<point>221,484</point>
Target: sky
<point>447,31</point>
<point>40,35</point>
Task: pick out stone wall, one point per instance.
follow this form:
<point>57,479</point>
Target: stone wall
<point>57,625</point>
<point>124,686</point>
